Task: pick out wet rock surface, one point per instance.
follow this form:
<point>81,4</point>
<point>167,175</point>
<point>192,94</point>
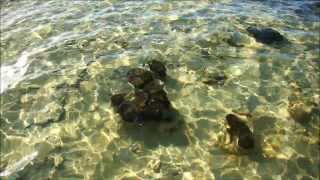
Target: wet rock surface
<point>266,35</point>
<point>149,101</point>
<point>239,130</point>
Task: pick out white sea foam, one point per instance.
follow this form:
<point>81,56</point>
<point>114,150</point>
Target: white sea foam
<point>20,165</point>
<point>12,74</point>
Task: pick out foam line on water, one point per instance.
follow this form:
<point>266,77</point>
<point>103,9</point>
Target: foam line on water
<point>19,165</point>
<point>12,74</point>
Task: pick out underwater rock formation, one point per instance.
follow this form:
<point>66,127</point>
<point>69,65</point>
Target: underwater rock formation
<point>139,77</point>
<point>153,86</point>
<point>215,79</point>
<point>149,100</point>
<point>266,35</point>
<point>302,112</point>
<point>239,130</point>
<point>158,69</point>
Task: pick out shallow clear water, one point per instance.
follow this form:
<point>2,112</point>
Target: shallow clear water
<point>62,60</point>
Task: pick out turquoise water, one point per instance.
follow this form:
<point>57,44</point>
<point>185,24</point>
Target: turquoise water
<point>62,60</point>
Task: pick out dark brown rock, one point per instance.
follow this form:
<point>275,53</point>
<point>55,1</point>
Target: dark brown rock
<point>238,129</point>
<point>216,79</point>
<point>128,112</point>
<point>139,77</point>
<point>162,97</point>
<point>149,102</point>
<point>158,68</point>
<point>140,99</point>
<point>266,35</point>
<point>153,86</point>
<point>117,99</point>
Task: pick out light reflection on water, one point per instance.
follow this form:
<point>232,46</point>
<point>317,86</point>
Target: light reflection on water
<point>62,60</point>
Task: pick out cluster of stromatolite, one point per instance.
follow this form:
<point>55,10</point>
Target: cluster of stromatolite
<point>266,35</point>
<point>149,101</point>
<point>240,131</point>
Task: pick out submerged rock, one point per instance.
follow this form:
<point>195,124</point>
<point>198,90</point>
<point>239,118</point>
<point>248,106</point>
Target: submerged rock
<point>126,108</point>
<point>266,35</point>
<point>153,86</point>
<point>128,111</point>
<point>139,77</point>
<point>143,106</point>
<point>122,43</point>
<point>158,107</point>
<point>140,99</point>
<point>238,129</point>
<point>205,53</point>
<point>117,99</point>
<point>158,68</point>
<point>300,112</point>
<point>215,79</point>
<point>149,100</point>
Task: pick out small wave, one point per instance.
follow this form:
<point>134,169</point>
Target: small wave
<point>20,165</point>
<point>11,75</point>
